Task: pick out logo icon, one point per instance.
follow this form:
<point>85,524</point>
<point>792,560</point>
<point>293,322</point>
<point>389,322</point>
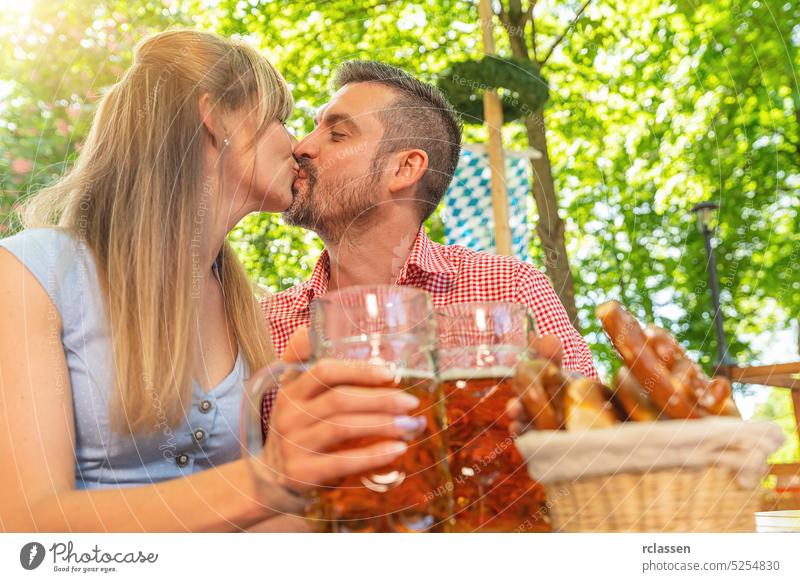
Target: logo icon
<point>31,555</point>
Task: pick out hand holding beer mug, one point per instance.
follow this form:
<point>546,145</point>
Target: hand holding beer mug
<point>387,331</point>
<point>480,344</point>
<point>314,403</point>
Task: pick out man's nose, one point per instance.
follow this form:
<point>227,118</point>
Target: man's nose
<point>307,147</point>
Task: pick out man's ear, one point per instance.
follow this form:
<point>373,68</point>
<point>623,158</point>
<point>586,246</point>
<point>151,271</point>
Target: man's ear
<point>408,169</point>
<point>212,121</point>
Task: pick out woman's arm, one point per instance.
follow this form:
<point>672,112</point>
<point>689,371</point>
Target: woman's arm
<point>223,499</point>
<point>37,441</point>
<point>314,413</point>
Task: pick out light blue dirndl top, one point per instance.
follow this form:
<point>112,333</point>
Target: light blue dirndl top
<point>209,436</point>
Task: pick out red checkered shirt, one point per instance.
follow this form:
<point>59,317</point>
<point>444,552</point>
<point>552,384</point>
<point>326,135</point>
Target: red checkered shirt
<point>451,274</point>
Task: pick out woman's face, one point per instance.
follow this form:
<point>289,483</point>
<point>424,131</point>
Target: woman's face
<point>257,179</point>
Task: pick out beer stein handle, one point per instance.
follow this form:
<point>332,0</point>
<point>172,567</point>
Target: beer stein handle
<point>266,381</point>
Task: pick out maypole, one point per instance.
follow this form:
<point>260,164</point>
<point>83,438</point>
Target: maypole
<point>493,115</point>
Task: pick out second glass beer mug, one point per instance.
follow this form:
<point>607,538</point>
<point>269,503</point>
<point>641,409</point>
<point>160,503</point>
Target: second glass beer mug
<point>394,326</point>
<point>479,346</point>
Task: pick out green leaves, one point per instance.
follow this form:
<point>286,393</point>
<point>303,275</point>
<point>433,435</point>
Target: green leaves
<point>651,107</point>
<point>277,256</point>
<point>57,60</point>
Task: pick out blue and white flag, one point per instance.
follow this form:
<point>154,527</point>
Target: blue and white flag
<point>468,217</point>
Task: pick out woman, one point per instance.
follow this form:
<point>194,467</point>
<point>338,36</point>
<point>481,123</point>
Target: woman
<point>128,327</point>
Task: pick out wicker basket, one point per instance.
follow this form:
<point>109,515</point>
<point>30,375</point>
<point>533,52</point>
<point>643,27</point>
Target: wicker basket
<point>661,501</point>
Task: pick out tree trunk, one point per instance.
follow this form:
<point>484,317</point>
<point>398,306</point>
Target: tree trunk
<point>550,227</point>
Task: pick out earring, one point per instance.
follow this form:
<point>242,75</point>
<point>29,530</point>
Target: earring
<point>226,141</point>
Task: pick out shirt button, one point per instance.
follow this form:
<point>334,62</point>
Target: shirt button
<point>205,406</point>
<point>182,460</point>
<point>199,435</point>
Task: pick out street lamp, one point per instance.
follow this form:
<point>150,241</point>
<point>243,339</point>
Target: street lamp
<point>706,213</point>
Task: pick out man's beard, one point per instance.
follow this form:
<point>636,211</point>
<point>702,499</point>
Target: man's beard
<point>332,208</point>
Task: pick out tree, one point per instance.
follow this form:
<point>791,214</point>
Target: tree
<point>778,408</point>
<point>517,20</point>
<point>654,106</point>
<point>57,60</point>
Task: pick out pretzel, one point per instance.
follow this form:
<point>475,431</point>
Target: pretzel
<point>646,366</point>
<point>667,350</point>
<point>587,404</point>
<point>659,380</point>
<point>686,379</point>
<point>633,398</point>
<point>722,404</point>
<point>713,395</point>
<point>556,401</point>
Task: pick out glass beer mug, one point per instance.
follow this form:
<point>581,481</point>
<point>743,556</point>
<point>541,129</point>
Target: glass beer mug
<point>478,348</point>
<point>392,326</point>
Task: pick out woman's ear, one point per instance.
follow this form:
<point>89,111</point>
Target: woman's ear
<point>212,121</point>
<point>409,169</point>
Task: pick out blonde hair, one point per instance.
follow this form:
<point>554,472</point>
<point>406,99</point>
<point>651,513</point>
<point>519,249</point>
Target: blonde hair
<point>134,197</point>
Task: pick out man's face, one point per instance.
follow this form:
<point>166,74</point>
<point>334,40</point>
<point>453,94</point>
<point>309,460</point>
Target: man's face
<point>339,182</point>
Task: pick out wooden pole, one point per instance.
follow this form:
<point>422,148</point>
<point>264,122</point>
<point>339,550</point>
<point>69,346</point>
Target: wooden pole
<point>493,114</point>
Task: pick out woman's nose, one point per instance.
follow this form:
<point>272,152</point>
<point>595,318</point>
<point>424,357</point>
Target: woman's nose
<point>306,147</point>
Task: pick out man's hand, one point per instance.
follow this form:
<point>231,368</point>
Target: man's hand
<point>547,347</point>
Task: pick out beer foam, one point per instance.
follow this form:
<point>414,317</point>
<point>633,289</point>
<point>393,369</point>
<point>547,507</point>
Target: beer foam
<point>413,374</point>
<point>453,374</point>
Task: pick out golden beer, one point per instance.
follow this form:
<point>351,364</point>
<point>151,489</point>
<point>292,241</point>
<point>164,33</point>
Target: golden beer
<point>409,495</point>
<point>492,491</point>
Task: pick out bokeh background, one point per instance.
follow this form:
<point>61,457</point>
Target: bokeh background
<point>653,106</point>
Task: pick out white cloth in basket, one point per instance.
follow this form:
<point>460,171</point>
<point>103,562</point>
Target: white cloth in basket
<point>637,447</point>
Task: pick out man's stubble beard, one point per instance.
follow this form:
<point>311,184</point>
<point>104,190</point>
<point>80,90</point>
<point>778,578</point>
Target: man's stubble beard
<point>336,208</point>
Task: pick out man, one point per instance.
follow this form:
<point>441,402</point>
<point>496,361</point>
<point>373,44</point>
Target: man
<point>378,163</point>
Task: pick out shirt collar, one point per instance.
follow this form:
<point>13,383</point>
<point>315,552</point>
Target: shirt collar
<point>316,285</point>
<point>425,255</point>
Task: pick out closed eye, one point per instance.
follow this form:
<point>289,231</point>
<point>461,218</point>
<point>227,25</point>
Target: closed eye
<point>336,136</point>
